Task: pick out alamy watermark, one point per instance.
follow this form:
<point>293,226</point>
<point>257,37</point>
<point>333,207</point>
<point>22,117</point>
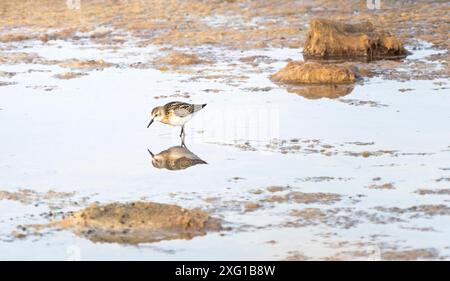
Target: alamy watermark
<point>373,4</point>
<point>373,253</point>
<point>257,124</point>
<point>73,253</point>
<point>73,4</point>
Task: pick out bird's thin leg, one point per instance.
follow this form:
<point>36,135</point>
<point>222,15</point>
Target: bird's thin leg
<point>182,131</point>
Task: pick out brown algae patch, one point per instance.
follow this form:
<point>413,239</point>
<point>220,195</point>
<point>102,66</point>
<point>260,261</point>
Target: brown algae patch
<point>251,206</point>
<point>317,197</point>
<point>424,191</point>
<point>256,60</point>
<point>355,102</point>
<point>7,74</point>
<point>275,188</point>
<point>419,211</point>
<point>305,198</point>
<point>28,196</point>
<point>7,83</point>
<point>336,217</point>
<point>15,37</point>
<point>235,179</point>
<point>19,57</point>
<point>443,179</point>
<point>367,154</point>
<point>296,256</point>
<point>85,64</point>
<point>138,222</point>
<point>318,146</point>
<point>406,255</point>
<point>179,59</point>
<point>69,75</point>
<point>322,179</point>
<point>328,39</point>
<point>381,186</point>
<point>46,88</point>
<point>310,215</point>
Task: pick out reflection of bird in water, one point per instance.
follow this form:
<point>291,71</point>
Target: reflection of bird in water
<point>175,113</point>
<point>175,158</point>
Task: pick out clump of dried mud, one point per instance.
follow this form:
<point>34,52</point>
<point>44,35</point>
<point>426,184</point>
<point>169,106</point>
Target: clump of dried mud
<point>315,73</point>
<point>328,39</point>
<point>138,222</point>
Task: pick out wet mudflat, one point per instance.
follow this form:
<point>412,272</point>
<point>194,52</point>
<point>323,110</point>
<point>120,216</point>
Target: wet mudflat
<point>268,170</point>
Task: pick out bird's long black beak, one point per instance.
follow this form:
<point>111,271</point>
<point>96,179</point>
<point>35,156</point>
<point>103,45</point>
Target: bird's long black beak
<point>151,154</point>
<point>151,121</point>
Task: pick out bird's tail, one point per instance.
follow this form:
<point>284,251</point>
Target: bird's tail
<point>197,107</point>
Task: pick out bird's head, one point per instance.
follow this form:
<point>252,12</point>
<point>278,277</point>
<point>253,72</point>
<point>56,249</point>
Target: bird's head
<point>156,115</point>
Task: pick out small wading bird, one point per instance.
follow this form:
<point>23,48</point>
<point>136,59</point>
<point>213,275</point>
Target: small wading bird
<point>175,158</point>
<point>175,114</point>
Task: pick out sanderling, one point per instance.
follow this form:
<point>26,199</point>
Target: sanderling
<point>175,113</point>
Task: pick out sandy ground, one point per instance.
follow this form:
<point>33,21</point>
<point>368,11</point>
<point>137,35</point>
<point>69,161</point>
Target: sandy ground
<point>353,171</point>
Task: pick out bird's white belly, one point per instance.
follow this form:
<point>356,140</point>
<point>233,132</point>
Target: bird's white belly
<point>179,121</point>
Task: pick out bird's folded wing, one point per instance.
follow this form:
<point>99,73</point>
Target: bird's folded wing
<point>182,111</point>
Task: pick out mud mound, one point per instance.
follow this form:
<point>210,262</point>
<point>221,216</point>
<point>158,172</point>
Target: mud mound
<point>328,39</point>
<point>298,72</point>
<point>139,222</point>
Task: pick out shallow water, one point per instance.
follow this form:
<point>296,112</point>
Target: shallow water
<point>89,135</point>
